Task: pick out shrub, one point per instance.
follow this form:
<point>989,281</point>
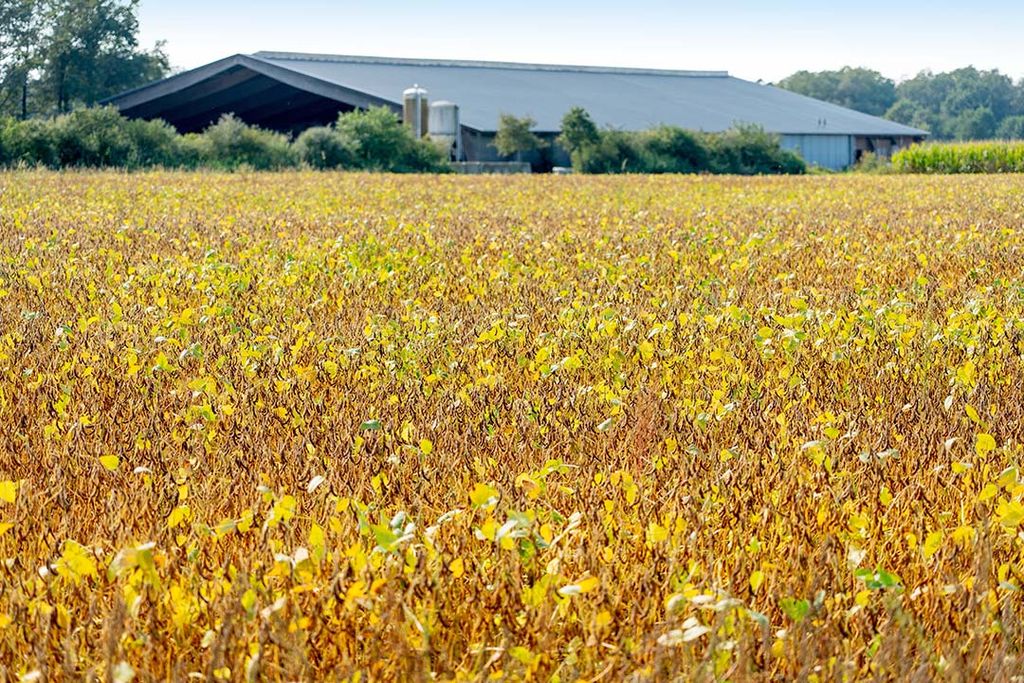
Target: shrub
<point>870,162</point>
<point>382,143</point>
<point>323,147</point>
<point>230,143</point>
<point>669,149</point>
<point>746,150</point>
<point>616,152</point>
<point>749,150</point>
<point>96,137</point>
<point>157,143</point>
<point>578,130</point>
<point>515,136</point>
<point>31,143</point>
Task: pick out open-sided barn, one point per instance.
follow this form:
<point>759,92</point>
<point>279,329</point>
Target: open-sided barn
<point>289,92</point>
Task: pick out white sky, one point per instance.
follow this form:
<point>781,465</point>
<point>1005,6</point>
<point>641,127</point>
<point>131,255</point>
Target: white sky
<point>753,40</point>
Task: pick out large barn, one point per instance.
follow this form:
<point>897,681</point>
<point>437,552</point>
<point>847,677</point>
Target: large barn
<point>290,91</point>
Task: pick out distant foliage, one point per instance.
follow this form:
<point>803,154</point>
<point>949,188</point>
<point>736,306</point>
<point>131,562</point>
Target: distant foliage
<point>964,104</point>
<point>101,138</point>
<point>322,147</point>
<point>743,150</point>
<point>381,143</point>
<point>230,143</point>
<point>963,157</point>
<point>749,150</point>
<point>91,138</point>
<point>515,136</point>
<point>668,149</point>
<point>1011,128</point>
<point>57,55</point>
<point>861,89</point>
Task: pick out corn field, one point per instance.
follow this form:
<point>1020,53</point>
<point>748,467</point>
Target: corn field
<point>310,426</point>
<point>996,156</point>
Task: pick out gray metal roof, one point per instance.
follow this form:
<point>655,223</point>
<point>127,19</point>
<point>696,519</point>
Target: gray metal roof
<point>628,99</point>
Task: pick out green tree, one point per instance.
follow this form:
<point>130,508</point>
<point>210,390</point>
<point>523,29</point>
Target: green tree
<point>19,35</point>
<point>1011,128</point>
<point>578,130</point>
<point>379,142</point>
<point>963,104</point>
<point>90,50</point>
<point>669,149</point>
<point>515,136</point>
<point>973,124</point>
<point>856,88</point>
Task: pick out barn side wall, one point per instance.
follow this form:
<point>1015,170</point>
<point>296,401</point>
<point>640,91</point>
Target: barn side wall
<point>834,152</point>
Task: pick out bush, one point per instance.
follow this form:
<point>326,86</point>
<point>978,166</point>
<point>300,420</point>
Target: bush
<point>615,152</point>
<point>668,149</point>
<point>961,157</point>
<point>230,144</point>
<point>382,143</point>
<point>746,150</point>
<point>31,143</point>
<point>97,137</point>
<point>157,143</point>
<point>515,135</point>
<point>92,138</point>
<point>323,147</point>
<point>749,150</point>
<point>873,164</point>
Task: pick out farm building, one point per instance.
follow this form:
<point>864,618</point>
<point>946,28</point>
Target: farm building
<point>289,92</point>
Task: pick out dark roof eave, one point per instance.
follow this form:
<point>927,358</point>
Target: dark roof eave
<point>187,79</point>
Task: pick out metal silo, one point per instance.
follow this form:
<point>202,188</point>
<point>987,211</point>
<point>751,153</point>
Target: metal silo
<point>414,110</point>
<point>443,127</point>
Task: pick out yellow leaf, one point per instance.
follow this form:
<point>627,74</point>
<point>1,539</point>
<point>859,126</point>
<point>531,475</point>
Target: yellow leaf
<point>756,579</point>
<point>177,516</point>
<point>426,446</point>
<point>457,567</point>
<point>656,533</point>
<point>75,562</point>
<point>984,443</point>
<point>988,492</point>
<point>8,491</point>
<point>584,586</point>
<point>932,543</point>
<point>973,414</point>
<point>884,496</point>
<point>110,462</point>
<point>483,495</point>
<point>604,617</point>
<point>488,529</point>
<point>1011,514</point>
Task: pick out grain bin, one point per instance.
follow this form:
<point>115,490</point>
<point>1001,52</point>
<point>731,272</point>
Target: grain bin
<point>414,110</point>
<point>443,126</point>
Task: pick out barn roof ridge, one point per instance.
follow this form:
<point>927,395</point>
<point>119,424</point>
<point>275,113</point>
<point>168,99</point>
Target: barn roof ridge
<point>485,64</point>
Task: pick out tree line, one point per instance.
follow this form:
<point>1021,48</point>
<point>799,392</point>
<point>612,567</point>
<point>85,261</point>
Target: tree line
<point>56,55</point>
<point>963,104</point>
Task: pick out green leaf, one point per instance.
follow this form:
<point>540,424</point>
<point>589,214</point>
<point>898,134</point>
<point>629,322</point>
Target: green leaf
<point>796,610</point>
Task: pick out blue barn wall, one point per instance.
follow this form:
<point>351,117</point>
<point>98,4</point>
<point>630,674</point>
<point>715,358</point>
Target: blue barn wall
<point>827,151</point>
